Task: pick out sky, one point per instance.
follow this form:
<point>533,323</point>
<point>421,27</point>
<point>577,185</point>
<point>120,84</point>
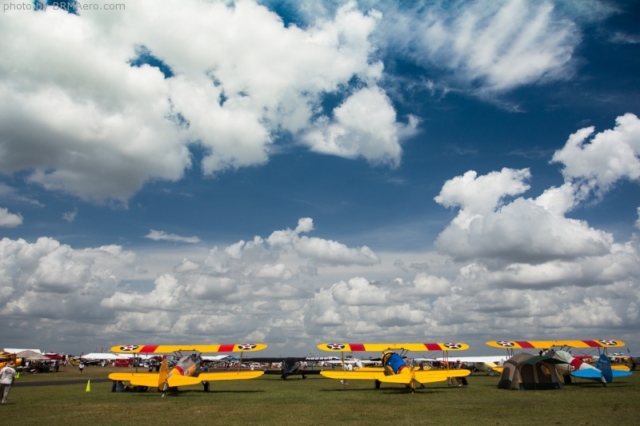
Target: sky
<point>304,172</point>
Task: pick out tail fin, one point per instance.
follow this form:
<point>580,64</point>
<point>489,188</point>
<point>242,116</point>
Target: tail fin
<point>604,365</point>
<point>164,373</point>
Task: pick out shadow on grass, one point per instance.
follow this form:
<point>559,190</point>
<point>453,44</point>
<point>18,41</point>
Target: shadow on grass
<point>587,385</point>
<point>387,391</point>
<point>185,393</point>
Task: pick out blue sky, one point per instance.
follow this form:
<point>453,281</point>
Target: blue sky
<point>296,172</point>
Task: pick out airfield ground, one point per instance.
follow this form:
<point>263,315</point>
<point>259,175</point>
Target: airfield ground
<point>316,401</point>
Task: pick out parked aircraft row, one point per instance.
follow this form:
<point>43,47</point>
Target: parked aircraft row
<point>393,368</point>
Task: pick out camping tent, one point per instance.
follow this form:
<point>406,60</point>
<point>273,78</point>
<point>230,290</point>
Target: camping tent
<point>527,372</point>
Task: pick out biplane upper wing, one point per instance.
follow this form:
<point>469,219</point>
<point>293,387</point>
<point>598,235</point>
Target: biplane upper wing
<point>546,344</point>
<point>379,347</point>
<point>164,349</point>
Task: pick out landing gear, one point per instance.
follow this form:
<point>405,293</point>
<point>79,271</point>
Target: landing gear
<point>206,386</point>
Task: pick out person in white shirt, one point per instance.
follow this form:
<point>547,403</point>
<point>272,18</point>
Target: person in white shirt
<point>7,377</point>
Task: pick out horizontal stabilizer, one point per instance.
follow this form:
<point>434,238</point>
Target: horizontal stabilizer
<point>620,373</point>
<point>137,379</point>
<point>230,375</point>
<point>591,373</point>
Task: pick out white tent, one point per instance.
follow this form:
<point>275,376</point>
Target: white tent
<point>102,356</point>
<point>219,358</point>
<point>32,356</point>
<point>16,350</point>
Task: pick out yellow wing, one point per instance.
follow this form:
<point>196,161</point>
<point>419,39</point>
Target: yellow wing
<point>352,375</point>
<point>379,347</point>
<point>546,344</point>
<point>175,380</point>
<point>429,376</point>
<point>620,367</point>
<point>421,376</point>
<point>214,348</point>
<point>231,375</point>
<point>137,379</point>
<point>152,380</point>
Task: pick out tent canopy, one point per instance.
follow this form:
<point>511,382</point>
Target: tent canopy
<point>32,356</point>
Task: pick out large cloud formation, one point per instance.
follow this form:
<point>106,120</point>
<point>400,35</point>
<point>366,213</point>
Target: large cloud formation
<point>106,101</point>
<point>83,111</point>
<point>516,265</point>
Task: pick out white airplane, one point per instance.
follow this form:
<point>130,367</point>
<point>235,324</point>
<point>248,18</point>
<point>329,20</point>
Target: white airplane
<point>488,363</point>
<point>602,372</point>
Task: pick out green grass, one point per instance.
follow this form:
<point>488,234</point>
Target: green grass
<point>318,401</point>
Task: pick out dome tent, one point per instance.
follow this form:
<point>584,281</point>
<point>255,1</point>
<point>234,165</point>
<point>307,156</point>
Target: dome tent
<point>527,372</point>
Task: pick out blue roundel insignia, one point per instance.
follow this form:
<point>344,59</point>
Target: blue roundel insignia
<point>506,344</point>
<point>452,345</point>
<point>608,342</point>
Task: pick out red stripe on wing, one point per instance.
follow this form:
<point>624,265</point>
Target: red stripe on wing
<point>592,343</point>
<point>525,345</point>
<point>226,348</point>
<point>149,348</point>
<point>356,347</point>
<point>433,347</point>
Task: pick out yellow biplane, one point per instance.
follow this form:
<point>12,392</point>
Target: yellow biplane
<point>394,368</point>
<point>187,371</point>
<point>6,358</point>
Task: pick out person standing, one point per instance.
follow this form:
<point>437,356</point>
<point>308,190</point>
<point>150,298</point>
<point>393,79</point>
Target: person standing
<point>81,366</point>
<point>7,377</point>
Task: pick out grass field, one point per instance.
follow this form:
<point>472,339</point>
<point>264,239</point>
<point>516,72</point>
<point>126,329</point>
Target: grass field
<point>317,401</point>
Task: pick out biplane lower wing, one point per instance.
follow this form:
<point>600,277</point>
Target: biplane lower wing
<point>430,376</point>
<point>352,375</point>
<point>427,376</point>
<point>230,375</point>
<point>137,379</point>
<point>620,368</point>
<point>547,344</point>
<point>152,380</point>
